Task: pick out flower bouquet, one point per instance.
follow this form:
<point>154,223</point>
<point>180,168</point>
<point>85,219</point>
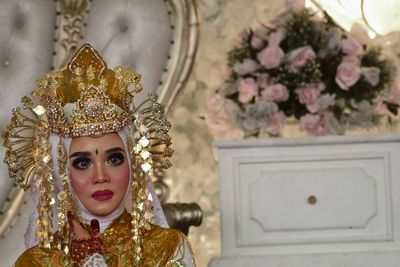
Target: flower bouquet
<point>307,68</point>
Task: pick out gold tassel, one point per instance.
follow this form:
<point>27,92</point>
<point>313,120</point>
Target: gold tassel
<point>45,179</point>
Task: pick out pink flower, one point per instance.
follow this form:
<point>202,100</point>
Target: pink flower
<point>371,75</point>
<point>256,42</point>
<point>359,33</point>
<point>347,74</point>
<point>313,125</point>
<point>271,57</point>
<point>275,92</point>
<point>379,108</point>
<point>276,123</point>
<point>300,56</point>
<point>262,33</point>
<point>309,121</point>
<point>319,130</point>
<point>309,94</point>
<point>222,129</point>
<point>394,97</point>
<point>241,38</point>
<point>351,46</point>
<point>248,88</point>
<point>262,80</point>
<point>247,66</point>
<point>276,37</point>
<point>227,72</point>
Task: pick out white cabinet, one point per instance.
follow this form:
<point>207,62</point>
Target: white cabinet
<point>312,202</point>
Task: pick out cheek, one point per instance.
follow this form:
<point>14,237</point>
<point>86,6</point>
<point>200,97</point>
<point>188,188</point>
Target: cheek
<point>122,178</point>
<point>79,182</point>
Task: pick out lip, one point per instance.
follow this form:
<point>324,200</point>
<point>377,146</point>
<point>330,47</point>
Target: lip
<point>102,195</point>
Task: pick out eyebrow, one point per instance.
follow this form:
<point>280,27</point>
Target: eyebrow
<point>87,153</point>
<point>80,154</point>
<point>113,150</point>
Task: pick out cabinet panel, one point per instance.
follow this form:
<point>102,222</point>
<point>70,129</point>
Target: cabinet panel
<point>311,197</point>
<point>321,199</point>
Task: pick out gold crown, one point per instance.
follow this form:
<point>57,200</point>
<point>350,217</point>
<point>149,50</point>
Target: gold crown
<point>86,99</point>
<point>101,96</point>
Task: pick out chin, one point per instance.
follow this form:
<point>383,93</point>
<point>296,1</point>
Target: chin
<point>102,208</point>
<point>101,212</point>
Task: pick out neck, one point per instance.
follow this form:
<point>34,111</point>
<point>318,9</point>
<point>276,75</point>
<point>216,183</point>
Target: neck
<point>104,221</point>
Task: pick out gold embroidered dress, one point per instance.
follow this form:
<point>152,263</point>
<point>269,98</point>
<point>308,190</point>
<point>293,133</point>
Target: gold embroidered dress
<point>162,247</point>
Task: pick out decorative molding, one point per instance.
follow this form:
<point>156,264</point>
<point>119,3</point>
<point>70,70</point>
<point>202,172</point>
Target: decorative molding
<point>68,31</point>
<point>183,50</point>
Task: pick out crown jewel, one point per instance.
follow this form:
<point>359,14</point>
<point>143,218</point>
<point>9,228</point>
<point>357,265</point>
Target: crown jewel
<point>100,95</point>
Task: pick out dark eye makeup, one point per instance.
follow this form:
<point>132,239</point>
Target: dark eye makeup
<point>115,158</point>
<point>82,160</point>
<point>81,163</point>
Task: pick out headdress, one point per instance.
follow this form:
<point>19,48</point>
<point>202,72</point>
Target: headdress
<point>85,99</point>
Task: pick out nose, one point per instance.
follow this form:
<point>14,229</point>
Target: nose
<point>101,175</point>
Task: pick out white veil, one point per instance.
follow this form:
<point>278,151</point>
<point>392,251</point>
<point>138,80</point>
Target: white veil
<point>30,241</point>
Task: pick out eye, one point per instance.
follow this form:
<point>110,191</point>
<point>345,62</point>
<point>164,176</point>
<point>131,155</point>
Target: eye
<point>115,159</point>
<point>81,163</point>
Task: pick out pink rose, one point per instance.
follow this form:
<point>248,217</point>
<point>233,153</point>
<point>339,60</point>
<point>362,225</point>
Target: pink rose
<point>271,57</point>
<point>351,46</point>
<point>371,75</point>
<point>379,108</point>
<point>247,66</point>
<point>276,37</point>
<point>309,121</point>
<point>309,94</point>
<point>359,33</point>
<point>256,42</point>
<point>276,123</point>
<point>248,88</point>
<point>241,38</point>
<point>299,57</point>
<point>262,33</point>
<point>319,130</point>
<point>313,125</point>
<point>262,80</point>
<point>275,92</point>
<point>347,74</point>
<point>222,129</point>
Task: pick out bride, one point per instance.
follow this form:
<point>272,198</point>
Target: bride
<point>87,153</point>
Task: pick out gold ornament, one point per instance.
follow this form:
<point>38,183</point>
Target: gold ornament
<point>86,99</point>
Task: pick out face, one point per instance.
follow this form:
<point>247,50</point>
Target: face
<point>99,172</point>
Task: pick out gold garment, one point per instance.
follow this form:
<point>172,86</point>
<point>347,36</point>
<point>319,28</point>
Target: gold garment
<point>162,247</point>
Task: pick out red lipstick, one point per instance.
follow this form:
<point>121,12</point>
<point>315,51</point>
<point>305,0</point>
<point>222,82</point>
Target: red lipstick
<point>102,195</point>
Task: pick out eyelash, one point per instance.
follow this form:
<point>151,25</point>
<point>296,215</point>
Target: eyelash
<point>83,163</point>
<point>119,156</point>
<point>77,163</point>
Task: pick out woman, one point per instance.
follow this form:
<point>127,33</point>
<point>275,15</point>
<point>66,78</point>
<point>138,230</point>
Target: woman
<point>87,151</point>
